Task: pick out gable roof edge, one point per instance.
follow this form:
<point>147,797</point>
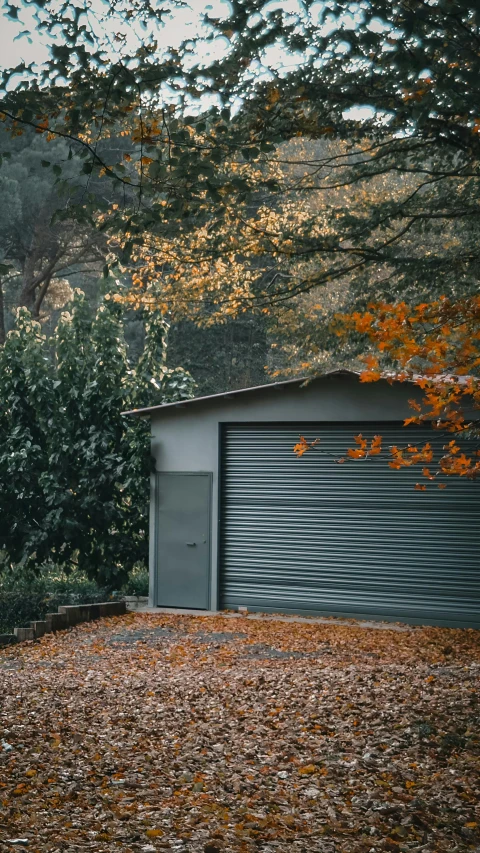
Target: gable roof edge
<point>148,410</point>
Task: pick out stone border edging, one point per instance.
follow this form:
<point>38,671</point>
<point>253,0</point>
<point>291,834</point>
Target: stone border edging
<point>67,617</point>
<point>136,602</point>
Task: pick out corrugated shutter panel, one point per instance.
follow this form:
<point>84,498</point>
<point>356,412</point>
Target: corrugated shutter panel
<point>313,535</point>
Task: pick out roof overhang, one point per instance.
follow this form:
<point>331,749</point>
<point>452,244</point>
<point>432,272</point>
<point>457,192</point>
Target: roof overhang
<point>228,395</point>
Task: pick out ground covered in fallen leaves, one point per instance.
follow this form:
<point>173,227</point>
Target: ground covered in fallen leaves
<point>158,732</point>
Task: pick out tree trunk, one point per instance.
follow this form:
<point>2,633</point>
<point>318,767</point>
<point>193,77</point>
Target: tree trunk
<point>41,296</point>
<point>33,286</point>
<point>2,316</point>
<point>27,294</point>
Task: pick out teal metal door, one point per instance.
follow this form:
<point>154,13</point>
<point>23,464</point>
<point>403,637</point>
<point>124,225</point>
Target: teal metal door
<point>183,540</point>
<point>354,539</point>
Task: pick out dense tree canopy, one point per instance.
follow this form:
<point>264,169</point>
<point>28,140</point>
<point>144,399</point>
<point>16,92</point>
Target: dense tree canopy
<point>327,149</point>
<point>414,65</point>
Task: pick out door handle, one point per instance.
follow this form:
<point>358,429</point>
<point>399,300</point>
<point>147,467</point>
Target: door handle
<point>190,543</point>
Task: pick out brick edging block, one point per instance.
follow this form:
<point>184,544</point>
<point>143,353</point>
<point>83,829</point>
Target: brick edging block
<point>68,615</point>
<point>7,640</point>
<point>113,608</point>
<point>56,622</point>
<point>76,613</point>
<point>23,634</point>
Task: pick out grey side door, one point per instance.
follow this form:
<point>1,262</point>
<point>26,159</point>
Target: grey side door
<point>183,539</point>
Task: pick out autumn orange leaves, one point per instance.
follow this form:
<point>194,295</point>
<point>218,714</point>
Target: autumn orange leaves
<point>363,450</point>
<point>451,462</point>
<point>436,346</point>
<point>304,445</point>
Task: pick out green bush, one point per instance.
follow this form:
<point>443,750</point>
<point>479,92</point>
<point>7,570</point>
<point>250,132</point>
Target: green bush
<point>74,472</point>
<point>137,583</point>
<point>25,597</point>
<point>29,597</point>
<point>18,608</point>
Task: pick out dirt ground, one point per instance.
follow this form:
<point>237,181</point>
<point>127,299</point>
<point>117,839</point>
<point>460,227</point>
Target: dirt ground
<point>205,734</point>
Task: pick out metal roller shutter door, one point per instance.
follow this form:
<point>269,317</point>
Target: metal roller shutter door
<point>352,539</point>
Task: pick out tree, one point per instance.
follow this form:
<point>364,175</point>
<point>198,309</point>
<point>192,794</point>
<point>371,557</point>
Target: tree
<point>73,471</point>
<point>222,356</point>
<point>46,239</point>
<point>413,65</point>
<point>410,66</point>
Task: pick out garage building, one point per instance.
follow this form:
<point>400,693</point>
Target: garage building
<point>237,520</point>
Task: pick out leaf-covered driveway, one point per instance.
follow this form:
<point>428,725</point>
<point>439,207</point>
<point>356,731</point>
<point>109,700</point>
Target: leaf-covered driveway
<point>151,732</point>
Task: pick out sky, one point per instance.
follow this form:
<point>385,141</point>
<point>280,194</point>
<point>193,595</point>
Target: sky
<point>182,24</point>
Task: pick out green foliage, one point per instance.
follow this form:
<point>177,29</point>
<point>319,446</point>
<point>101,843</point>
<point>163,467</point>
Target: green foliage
<point>222,356</point>
<point>20,606</point>
<point>25,597</point>
<point>414,68</point>
<point>73,470</point>
<point>137,583</point>
<point>408,222</point>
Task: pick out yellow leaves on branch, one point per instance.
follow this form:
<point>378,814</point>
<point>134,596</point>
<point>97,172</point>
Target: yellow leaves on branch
<point>361,322</point>
<point>370,375</point>
<point>221,266</point>
<point>452,462</point>
<point>373,372</point>
<point>234,262</point>
<point>42,126</point>
<point>430,338</point>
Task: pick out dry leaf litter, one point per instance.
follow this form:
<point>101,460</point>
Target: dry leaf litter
<point>208,734</point>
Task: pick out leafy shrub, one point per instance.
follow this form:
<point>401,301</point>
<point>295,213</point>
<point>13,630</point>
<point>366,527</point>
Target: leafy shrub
<point>18,608</point>
<point>137,583</point>
<point>24,598</point>
<point>74,472</point>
